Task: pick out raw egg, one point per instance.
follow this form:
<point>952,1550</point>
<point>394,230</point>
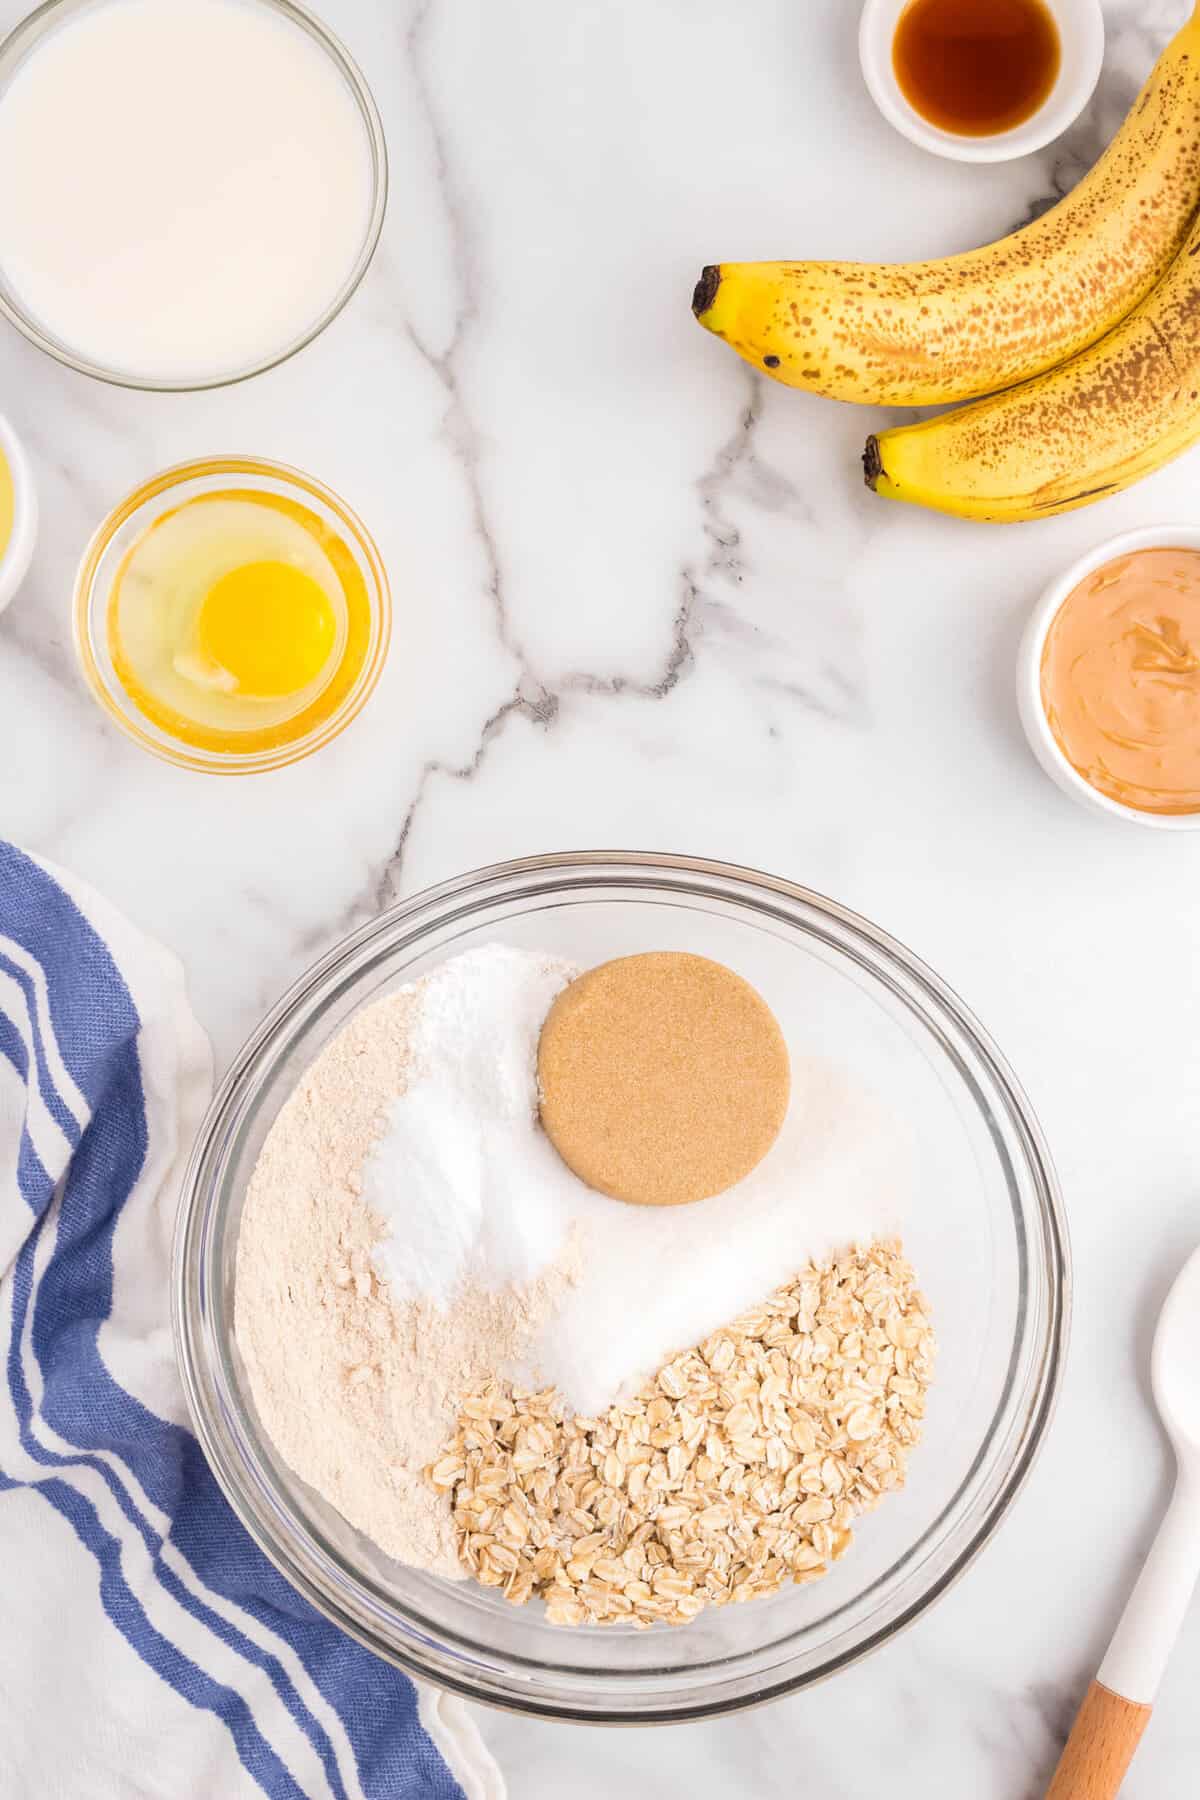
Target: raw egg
<point>238,620</point>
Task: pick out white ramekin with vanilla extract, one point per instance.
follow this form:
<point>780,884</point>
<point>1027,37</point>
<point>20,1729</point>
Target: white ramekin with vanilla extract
<point>933,70</point>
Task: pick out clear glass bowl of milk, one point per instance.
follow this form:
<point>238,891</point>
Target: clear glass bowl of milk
<point>202,185</point>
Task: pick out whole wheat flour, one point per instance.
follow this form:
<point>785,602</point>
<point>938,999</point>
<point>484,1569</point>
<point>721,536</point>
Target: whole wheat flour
<point>358,1392</point>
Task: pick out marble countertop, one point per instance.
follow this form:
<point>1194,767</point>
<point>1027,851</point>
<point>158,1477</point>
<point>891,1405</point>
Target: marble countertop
<point>643,600</point>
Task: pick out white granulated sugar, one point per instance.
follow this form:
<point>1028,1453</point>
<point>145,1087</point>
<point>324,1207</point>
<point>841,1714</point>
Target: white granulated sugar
<point>470,1190</point>
<point>660,1279</point>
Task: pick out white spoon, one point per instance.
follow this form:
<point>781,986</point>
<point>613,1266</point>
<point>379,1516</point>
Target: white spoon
<point>1114,1713</point>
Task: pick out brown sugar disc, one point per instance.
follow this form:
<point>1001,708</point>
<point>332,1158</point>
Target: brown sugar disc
<point>664,1078</point>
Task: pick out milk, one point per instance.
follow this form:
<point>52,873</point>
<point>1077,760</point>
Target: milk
<point>189,185</point>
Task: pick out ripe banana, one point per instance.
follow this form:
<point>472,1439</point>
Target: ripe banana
<point>923,334</point>
<point>1100,422</point>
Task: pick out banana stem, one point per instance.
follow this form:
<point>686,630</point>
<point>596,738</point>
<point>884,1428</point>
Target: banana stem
<point>872,460</point>
<point>710,280</point>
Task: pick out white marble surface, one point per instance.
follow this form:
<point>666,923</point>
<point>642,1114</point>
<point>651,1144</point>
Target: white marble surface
<point>643,600</point>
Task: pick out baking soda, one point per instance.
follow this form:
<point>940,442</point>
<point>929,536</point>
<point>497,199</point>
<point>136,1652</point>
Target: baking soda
<point>463,1177</point>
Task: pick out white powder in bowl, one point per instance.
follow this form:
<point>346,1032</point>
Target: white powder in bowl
<point>467,1184</point>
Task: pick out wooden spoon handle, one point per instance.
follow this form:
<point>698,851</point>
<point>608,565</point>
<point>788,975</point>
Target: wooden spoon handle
<point>1100,1748</point>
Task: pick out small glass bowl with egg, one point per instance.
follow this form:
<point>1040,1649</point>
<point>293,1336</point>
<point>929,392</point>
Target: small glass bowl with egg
<point>232,615</point>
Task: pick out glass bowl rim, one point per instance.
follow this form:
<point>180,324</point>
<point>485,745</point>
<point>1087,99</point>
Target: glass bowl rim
<point>85,597</point>
<point>13,46</point>
<point>1043,1383</point>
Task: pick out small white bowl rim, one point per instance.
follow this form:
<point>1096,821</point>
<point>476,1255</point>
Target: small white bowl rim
<point>1083,57</point>
<point>1029,672</point>
<point>18,552</point>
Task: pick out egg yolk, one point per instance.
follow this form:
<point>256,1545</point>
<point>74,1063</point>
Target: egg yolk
<point>270,625</point>
<point>6,505</point>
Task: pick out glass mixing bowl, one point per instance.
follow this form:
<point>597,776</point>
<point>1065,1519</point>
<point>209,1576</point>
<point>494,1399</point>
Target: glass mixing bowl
<point>987,1237</point>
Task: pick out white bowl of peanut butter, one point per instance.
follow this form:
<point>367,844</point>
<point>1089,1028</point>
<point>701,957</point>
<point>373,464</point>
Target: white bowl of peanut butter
<point>1108,678</point>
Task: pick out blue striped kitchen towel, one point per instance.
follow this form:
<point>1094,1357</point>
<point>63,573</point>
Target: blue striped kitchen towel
<point>148,1650</point>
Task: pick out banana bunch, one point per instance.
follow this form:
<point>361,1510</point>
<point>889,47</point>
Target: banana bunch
<point>1114,413</point>
<point>1089,317</point>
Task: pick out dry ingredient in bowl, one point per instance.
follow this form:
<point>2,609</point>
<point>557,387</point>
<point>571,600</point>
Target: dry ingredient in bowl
<point>468,1186</point>
<point>411,1241</point>
<point>663,1077</point>
<point>742,1466</point>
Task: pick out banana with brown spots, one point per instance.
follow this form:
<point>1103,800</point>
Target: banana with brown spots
<point>927,333</point>
<point>1114,413</point>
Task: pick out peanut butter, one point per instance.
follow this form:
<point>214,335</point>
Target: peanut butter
<point>1121,680</point>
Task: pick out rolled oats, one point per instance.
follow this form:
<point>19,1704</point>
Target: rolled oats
<point>740,1466</point>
